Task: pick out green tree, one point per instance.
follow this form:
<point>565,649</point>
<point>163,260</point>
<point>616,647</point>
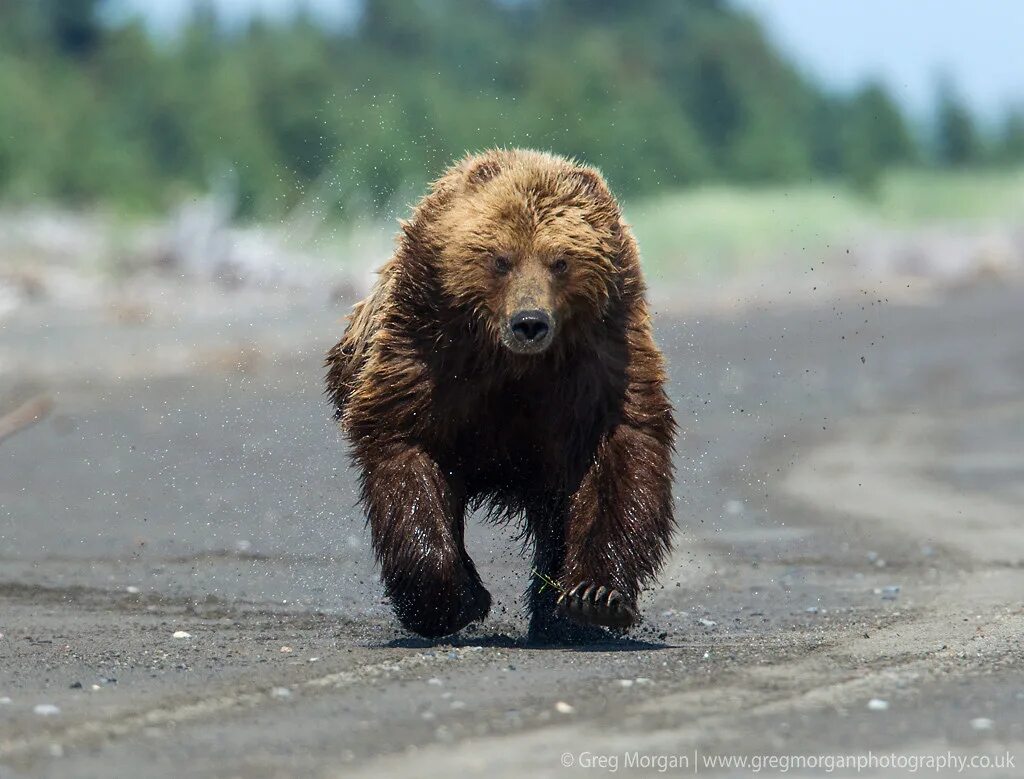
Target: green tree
<point>1010,144</point>
<point>957,141</point>
<point>874,136</point>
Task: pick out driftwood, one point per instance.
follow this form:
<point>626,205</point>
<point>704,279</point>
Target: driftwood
<point>25,415</point>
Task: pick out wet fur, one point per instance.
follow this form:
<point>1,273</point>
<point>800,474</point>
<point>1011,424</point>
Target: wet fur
<point>442,417</point>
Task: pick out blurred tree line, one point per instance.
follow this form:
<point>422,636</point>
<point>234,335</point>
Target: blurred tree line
<point>658,93</point>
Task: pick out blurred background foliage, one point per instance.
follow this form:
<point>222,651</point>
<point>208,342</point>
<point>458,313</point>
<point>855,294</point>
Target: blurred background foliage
<point>660,94</point>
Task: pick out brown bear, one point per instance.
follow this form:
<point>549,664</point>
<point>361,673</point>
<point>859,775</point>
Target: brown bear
<point>505,358</point>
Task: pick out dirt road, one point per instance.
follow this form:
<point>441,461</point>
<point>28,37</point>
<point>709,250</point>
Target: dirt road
<point>849,575</point>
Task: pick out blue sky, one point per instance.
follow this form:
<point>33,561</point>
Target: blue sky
<point>904,43</point>
<point>907,43</point>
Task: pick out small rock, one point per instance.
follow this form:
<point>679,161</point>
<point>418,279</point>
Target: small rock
<point>182,634</point>
<point>5,701</point>
<point>46,710</point>
<point>285,650</point>
<point>76,685</point>
<point>625,682</point>
<point>95,687</point>
<point>708,623</point>
<point>132,590</point>
<point>280,693</point>
<point>982,723</point>
<point>458,705</point>
<point>428,715</point>
<point>434,681</point>
<point>642,680</point>
<point>564,708</point>
<point>811,609</point>
<point>877,704</point>
<point>313,660</point>
<point>892,592</point>
<point>56,750</point>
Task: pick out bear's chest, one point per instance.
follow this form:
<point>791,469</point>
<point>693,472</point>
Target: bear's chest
<point>527,431</point>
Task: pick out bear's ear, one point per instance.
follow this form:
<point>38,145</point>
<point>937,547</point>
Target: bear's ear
<point>482,171</point>
<point>590,182</point>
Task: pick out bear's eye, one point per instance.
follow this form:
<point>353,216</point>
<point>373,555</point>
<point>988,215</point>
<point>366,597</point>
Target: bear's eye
<point>559,266</point>
<point>502,264</point>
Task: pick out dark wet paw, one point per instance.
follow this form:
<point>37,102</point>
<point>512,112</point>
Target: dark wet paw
<point>435,617</point>
<point>594,604</point>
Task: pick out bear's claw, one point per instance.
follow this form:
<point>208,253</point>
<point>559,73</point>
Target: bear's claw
<point>593,604</point>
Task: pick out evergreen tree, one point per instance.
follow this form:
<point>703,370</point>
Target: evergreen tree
<point>957,142</point>
<point>1010,147</point>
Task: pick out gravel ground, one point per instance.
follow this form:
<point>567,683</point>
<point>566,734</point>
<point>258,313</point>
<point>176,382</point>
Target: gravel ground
<point>186,585</point>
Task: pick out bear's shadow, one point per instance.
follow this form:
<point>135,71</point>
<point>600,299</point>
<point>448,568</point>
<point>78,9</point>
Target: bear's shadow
<point>502,641</point>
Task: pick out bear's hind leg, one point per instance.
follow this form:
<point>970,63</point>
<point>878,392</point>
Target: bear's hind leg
<point>416,520</point>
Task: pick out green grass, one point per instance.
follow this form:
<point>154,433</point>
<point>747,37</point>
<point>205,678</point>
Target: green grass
<point>716,232</point>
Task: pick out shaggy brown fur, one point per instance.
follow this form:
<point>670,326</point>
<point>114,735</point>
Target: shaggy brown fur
<point>505,357</point>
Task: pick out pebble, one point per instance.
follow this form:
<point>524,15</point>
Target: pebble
<point>892,592</point>
<point>182,634</point>
<point>132,590</point>
<point>281,693</point>
<point>564,708</point>
<point>5,701</point>
<point>982,723</point>
<point>285,650</point>
<point>877,704</point>
<point>625,682</point>
<point>46,710</point>
<point>708,623</point>
<point>434,681</point>
<point>811,609</point>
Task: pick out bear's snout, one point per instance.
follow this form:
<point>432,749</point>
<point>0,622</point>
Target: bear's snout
<point>531,330</point>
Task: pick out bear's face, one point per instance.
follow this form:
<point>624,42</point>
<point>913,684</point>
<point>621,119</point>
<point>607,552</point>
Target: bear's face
<point>529,245</point>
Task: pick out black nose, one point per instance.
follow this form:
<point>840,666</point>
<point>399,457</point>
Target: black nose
<point>530,326</point>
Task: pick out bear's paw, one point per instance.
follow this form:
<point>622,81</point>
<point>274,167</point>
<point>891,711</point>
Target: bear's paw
<point>596,604</point>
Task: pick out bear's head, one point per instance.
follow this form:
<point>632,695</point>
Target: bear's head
<point>529,243</point>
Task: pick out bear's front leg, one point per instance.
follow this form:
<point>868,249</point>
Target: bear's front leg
<point>619,527</point>
<point>416,520</point>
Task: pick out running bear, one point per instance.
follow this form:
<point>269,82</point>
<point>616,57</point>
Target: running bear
<point>505,358</point>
